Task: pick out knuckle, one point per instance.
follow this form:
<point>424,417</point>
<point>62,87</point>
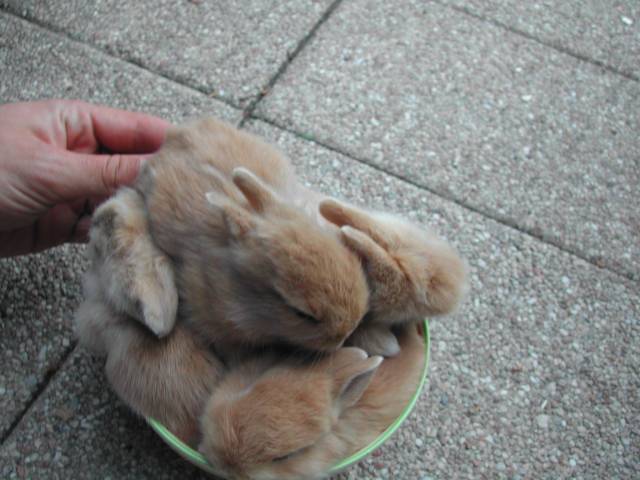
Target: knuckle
<point>111,172</point>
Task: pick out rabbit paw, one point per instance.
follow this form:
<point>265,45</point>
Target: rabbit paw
<point>375,340</point>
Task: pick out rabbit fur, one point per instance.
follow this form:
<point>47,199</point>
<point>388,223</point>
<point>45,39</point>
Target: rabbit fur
<point>129,298</point>
<point>286,422</point>
<point>251,267</point>
<point>258,259</point>
<point>411,273</point>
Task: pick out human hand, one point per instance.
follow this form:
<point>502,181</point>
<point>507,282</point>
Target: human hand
<point>58,159</point>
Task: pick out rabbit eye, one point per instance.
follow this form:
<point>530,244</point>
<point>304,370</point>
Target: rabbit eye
<point>283,457</point>
<point>306,316</point>
<point>290,454</point>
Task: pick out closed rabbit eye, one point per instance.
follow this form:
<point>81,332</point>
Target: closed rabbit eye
<point>289,455</point>
<point>284,457</point>
<point>306,316</point>
<point>299,313</point>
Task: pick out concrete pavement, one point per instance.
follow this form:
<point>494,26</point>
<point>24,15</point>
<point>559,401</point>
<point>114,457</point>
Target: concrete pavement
<point>511,129</point>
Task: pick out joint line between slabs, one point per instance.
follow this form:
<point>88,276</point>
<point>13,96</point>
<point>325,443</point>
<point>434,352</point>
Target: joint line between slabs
<point>486,214</point>
<point>248,111</point>
<point>49,376</point>
<point>545,43</point>
<point>52,29</point>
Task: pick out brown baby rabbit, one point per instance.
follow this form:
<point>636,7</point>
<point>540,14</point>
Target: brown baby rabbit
<point>251,267</point>
<point>268,422</point>
<point>129,296</point>
<point>412,273</point>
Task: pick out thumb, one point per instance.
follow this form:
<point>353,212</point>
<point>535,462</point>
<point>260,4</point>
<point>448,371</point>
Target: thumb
<point>87,175</point>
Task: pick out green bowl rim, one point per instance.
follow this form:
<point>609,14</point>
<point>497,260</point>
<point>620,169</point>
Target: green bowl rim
<point>198,459</point>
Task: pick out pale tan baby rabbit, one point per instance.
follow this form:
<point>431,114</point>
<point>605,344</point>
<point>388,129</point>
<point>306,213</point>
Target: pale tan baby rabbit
<point>251,267</point>
<point>134,277</point>
<point>282,422</point>
<point>412,273</point>
<point>128,295</point>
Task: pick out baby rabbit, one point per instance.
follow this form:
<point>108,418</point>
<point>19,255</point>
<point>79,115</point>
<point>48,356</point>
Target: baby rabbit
<point>136,278</point>
<point>411,272</point>
<point>268,422</point>
<point>129,282</point>
<point>251,267</point>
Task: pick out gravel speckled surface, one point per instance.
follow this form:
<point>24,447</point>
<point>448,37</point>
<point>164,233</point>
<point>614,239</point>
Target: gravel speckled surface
<point>537,376</point>
<point>534,377</point>
<point>230,49</point>
<point>503,124</point>
<point>38,295</point>
<point>606,32</point>
<point>80,430</point>
<point>38,64</point>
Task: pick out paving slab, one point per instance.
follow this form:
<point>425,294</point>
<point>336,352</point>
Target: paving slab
<point>39,293</point>
<point>37,297</point>
<point>79,429</point>
<point>535,377</point>
<point>229,49</point>
<point>607,32</point>
<point>38,64</point>
<point>500,123</point>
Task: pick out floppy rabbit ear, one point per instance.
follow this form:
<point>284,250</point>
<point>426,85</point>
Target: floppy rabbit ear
<point>341,214</point>
<point>155,287</point>
<point>256,192</point>
<point>238,221</point>
<point>352,380</point>
<point>137,278</point>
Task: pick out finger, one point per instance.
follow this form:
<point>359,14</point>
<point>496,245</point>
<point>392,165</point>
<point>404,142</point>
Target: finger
<point>341,214</point>
<point>16,242</point>
<point>81,232</point>
<point>128,132</point>
<point>55,227</point>
<point>86,206</point>
<point>85,175</point>
<point>118,131</point>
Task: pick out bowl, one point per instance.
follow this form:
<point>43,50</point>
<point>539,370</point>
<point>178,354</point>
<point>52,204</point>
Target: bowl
<point>194,457</point>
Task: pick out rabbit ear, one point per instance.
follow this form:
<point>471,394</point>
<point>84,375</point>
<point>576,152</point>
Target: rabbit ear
<point>238,221</point>
<point>155,286</point>
<point>136,276</point>
<point>381,267</point>
<point>352,380</point>
<point>341,214</point>
<point>257,193</point>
